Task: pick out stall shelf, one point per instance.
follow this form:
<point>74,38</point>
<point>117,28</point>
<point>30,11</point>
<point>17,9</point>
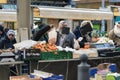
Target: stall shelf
<point>9,63</point>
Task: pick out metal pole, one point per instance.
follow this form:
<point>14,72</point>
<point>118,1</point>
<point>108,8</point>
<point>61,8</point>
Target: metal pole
<point>103,4</point>
<point>23,18</point>
<point>72,3</point>
<point>83,68</point>
<point>103,21</point>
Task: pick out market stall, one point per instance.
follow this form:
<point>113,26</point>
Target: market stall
<point>65,13</point>
<point>41,56</point>
<point>60,13</point>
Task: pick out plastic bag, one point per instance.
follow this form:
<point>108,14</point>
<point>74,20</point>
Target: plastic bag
<point>76,44</point>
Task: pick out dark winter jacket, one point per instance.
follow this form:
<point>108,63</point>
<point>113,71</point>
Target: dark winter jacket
<point>2,36</point>
<point>77,32</point>
<point>6,43</point>
<point>41,34</point>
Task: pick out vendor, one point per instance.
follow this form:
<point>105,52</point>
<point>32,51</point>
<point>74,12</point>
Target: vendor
<point>114,34</point>
<point>65,38</point>
<point>83,33</point>
<point>8,41</point>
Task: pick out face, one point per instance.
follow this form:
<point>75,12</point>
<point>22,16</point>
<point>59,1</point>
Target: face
<point>62,24</point>
<point>11,36</point>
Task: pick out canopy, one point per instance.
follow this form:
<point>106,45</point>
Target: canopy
<point>8,15</point>
<point>61,13</point>
<point>74,13</point>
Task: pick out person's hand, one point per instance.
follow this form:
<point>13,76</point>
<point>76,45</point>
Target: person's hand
<point>0,51</point>
<point>51,25</point>
<point>10,49</point>
<point>52,40</point>
<point>80,39</point>
<point>95,39</point>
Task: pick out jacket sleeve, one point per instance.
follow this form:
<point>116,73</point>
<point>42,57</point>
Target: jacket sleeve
<point>2,42</point>
<point>75,32</point>
<point>41,32</point>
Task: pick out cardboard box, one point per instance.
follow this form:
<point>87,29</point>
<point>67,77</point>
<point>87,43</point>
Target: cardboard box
<point>92,52</point>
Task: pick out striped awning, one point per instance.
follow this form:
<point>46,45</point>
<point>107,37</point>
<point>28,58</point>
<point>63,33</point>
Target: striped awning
<point>8,15</point>
<point>61,13</point>
<point>75,13</point>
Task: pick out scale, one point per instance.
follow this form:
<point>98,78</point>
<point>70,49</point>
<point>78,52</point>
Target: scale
<point>103,46</point>
<point>105,49</point>
<point>7,57</point>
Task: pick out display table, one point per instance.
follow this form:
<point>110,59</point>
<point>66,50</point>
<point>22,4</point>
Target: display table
<point>5,70</point>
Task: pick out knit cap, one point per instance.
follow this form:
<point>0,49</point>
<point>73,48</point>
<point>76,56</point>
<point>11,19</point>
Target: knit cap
<point>11,32</point>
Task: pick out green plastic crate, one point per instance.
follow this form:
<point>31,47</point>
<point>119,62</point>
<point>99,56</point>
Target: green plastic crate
<point>55,55</point>
<point>117,49</point>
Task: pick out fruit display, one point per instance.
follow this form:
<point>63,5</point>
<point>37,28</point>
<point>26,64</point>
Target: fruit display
<point>45,47</point>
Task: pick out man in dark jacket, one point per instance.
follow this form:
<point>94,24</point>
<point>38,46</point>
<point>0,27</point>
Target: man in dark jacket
<point>8,41</point>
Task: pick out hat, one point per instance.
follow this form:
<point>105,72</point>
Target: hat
<point>1,28</point>
<point>11,32</point>
<point>83,23</point>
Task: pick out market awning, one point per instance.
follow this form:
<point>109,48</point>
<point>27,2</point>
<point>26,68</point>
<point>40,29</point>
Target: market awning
<point>74,13</point>
<point>8,15</point>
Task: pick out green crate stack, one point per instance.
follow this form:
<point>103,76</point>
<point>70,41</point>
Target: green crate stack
<point>56,55</point>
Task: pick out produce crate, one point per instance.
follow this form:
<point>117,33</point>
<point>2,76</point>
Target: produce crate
<point>56,55</point>
<point>32,54</point>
